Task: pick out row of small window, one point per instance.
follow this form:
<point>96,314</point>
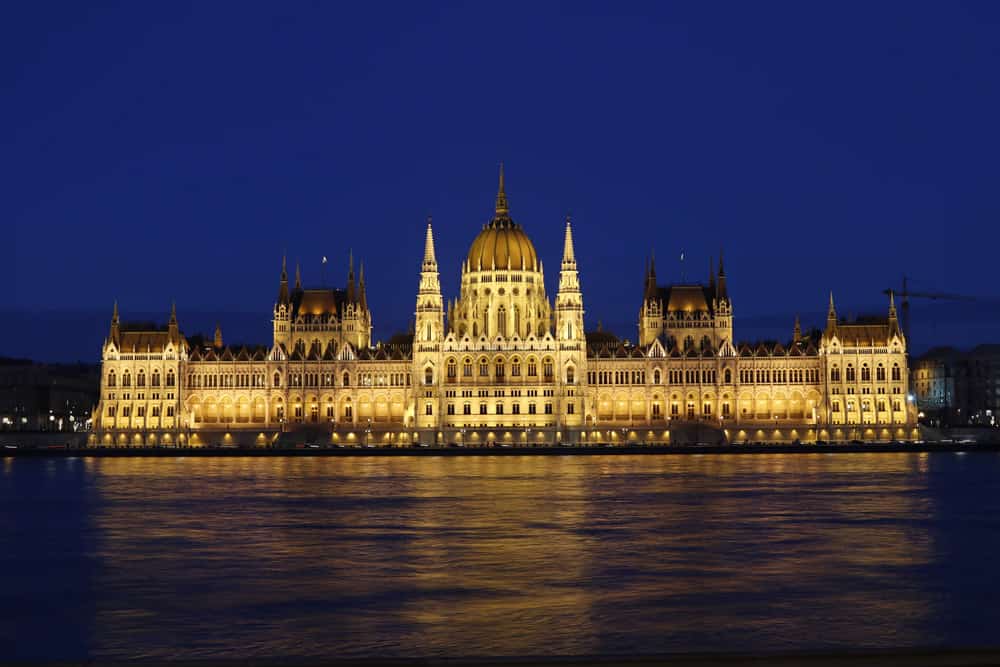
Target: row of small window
<point>500,368</point>
<point>866,390</point>
<point>779,376</point>
<point>515,409</point>
<point>675,410</point>
<point>140,411</point>
<point>141,396</point>
<point>866,373</point>
<point>226,380</point>
<point>140,379</point>
<point>866,406</point>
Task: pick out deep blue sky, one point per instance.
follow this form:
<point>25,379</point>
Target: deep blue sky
<point>158,151</point>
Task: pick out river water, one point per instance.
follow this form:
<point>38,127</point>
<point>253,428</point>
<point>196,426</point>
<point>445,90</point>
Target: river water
<point>150,558</point>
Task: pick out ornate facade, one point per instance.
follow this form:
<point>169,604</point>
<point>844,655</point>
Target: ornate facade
<point>505,366</point>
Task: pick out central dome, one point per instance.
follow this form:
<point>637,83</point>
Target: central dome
<point>502,242</point>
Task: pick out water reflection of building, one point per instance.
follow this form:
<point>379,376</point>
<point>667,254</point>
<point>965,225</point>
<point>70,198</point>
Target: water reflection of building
<point>504,364</point>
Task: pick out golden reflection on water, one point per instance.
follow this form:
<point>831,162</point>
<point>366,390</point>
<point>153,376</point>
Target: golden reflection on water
<point>509,555</point>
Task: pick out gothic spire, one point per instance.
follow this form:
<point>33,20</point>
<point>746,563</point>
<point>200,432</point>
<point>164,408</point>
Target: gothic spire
<point>283,286</point>
<point>218,336</point>
<point>115,330</point>
<point>796,330</point>
<point>350,277</point>
<point>298,277</point>
<point>831,314</point>
<point>363,295</point>
<point>173,312</point>
<point>429,257</point>
<point>569,256</point>
<point>502,208</point>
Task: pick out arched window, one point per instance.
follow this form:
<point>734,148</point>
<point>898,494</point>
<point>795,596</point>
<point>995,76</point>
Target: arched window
<point>126,379</point>
<point>155,382</point>
<point>111,378</point>
<point>866,373</point>
<point>896,374</point>
<point>171,378</point>
<point>277,379</point>
<point>656,376</point>
<point>880,373</point>
<point>347,379</point>
<point>484,367</point>
<point>515,367</point>
<point>502,321</point>
<point>835,374</point>
<point>499,367</point>
<point>850,373</point>
<point>688,343</point>
<point>570,375</point>
<point>532,367</point>
<point>547,369</point>
<point>140,379</point>
<point>728,376</point>
<point>467,368</point>
<point>428,376</point>
<point>452,369</point>
<point>517,321</point>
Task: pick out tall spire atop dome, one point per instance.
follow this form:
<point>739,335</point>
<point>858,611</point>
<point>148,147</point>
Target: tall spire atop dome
<point>298,277</point>
<point>502,208</point>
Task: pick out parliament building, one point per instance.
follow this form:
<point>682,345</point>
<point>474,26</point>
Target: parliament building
<point>504,365</point>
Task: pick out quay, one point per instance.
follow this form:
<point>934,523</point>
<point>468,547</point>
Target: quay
<point>73,450</point>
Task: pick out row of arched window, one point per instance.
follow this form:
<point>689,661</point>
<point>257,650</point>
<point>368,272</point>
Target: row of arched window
<point>850,374</point>
<point>140,379</point>
<point>500,368</point>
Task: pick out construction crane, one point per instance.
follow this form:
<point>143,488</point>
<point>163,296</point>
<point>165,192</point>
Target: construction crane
<point>905,294</point>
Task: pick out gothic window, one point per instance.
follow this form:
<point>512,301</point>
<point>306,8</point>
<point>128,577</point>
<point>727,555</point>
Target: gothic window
<point>467,409</point>
<point>348,412</point>
<point>428,376</point>
<point>728,376</point>
<point>850,373</point>
<point>111,379</point>
<point>515,367</point>
<point>140,379</point>
<point>866,373</point>
<point>126,379</point>
<point>467,368</point>
<point>547,369</point>
<point>880,373</point>
<point>517,320</point>
<point>499,408</point>
<point>896,375</point>
<point>835,374</point>
<point>484,367</point>
<point>688,343</point>
<point>502,321</point>
<point>570,375</point>
<point>656,380</point>
<point>452,369</point>
<point>499,368</point>
<point>347,379</point>
<point>155,381</point>
<point>451,408</point>
<point>277,379</point>
<point>532,368</point>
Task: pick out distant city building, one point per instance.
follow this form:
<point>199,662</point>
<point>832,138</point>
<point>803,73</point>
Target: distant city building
<point>507,365</point>
<point>47,397</point>
<point>956,388</point>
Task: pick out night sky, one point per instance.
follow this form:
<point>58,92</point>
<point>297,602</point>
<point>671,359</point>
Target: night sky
<point>159,151</point>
